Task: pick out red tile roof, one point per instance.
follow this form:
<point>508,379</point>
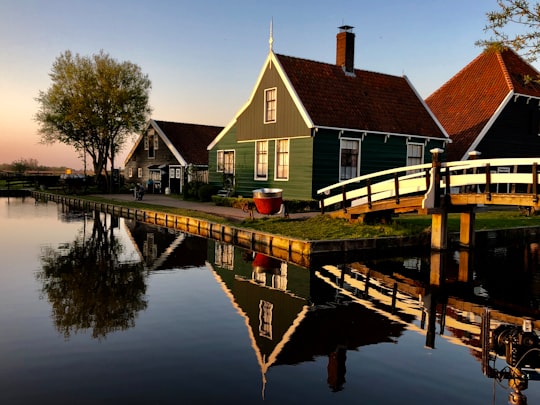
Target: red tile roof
<point>366,101</point>
<point>190,140</point>
<point>465,103</point>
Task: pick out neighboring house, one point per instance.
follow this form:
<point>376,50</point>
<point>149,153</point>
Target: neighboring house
<point>169,154</point>
<point>491,106</point>
<point>309,124</point>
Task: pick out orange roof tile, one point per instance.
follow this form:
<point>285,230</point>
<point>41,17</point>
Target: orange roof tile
<point>366,101</point>
<point>465,104</point>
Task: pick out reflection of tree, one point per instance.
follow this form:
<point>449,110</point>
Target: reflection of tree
<point>88,287</point>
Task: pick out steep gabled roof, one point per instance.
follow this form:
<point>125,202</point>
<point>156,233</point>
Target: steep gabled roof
<point>365,101</point>
<point>188,142</point>
<point>327,97</point>
<point>469,102</point>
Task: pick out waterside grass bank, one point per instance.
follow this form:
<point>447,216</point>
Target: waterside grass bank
<point>278,237</point>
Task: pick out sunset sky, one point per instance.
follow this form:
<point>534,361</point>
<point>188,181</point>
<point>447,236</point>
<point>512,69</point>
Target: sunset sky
<point>203,57</point>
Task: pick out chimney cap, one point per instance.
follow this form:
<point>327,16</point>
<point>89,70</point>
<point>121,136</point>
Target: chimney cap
<point>346,28</point>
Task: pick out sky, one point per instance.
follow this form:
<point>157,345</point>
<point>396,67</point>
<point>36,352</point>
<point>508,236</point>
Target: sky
<point>203,57</point>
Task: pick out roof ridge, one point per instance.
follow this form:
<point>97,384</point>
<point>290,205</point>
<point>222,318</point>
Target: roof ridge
<point>188,123</point>
<point>505,70</point>
<point>334,65</point>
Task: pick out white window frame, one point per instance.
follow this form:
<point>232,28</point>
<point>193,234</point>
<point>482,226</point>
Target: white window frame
<point>221,163</point>
<point>130,172</point>
<point>139,172</point>
<point>278,155</point>
<point>270,105</point>
<point>420,159</point>
<point>266,309</point>
<point>342,141</point>
<point>261,155</point>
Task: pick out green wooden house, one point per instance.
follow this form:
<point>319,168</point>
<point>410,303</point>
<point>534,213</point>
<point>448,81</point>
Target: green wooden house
<point>309,124</point>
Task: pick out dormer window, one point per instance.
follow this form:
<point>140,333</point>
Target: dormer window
<point>270,103</point>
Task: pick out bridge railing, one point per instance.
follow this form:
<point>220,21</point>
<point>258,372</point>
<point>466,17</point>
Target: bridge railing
<point>378,186</point>
<point>472,176</point>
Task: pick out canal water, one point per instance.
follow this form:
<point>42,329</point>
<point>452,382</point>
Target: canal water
<point>103,310</point>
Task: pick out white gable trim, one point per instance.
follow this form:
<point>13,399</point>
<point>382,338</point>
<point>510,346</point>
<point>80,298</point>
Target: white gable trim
<point>292,91</point>
<point>271,61</point>
<point>433,117</point>
<point>169,144</point>
<point>221,134</point>
<point>152,123</point>
<point>488,126</point>
<point>137,142</point>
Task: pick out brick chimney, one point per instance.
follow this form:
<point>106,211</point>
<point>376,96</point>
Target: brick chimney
<point>345,48</point>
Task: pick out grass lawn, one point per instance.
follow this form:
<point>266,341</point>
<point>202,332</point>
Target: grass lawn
<point>323,227</point>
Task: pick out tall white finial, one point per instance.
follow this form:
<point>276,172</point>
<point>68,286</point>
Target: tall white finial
<point>271,40</point>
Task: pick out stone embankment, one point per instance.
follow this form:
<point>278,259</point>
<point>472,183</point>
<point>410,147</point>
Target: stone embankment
<point>302,252</point>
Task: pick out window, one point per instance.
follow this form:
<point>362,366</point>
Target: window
<point>130,172</point>
<point>139,172</point>
<point>348,158</point>
<point>415,154</point>
<point>146,145</point>
<point>266,309</point>
<point>261,160</point>
<point>225,161</point>
<point>219,161</point>
<point>156,142</point>
<point>270,105</point>
<point>224,256</point>
<point>282,159</point>
<point>151,146</point>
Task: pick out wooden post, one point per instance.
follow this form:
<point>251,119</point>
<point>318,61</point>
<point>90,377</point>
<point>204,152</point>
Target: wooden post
<point>439,229</point>
<point>439,216</point>
<point>466,228</point>
<point>436,167</point>
<point>396,187</point>
<point>465,261</point>
<point>488,182</point>
<point>344,199</point>
<point>535,182</point>
<point>437,268</point>
<point>369,193</point>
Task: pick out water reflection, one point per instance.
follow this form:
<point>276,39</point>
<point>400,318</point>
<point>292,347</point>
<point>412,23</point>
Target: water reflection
<point>87,284</point>
<point>296,316</point>
<point>352,305</point>
<point>164,248</point>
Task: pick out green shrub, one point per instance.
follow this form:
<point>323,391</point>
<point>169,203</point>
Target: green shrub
<point>191,190</point>
<point>206,191</point>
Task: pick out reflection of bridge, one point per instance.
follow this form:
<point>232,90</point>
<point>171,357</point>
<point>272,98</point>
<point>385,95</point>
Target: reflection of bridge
<point>440,188</point>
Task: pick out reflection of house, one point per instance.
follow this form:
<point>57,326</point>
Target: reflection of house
<point>491,106</point>
<point>293,317</point>
<point>310,124</point>
<point>169,154</point>
<point>164,248</point>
